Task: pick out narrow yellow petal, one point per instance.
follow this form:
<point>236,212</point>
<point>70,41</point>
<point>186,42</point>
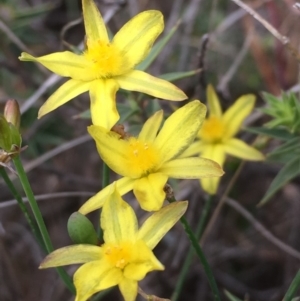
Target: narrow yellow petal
<point>93,277</point>
<point>213,102</point>
<point>160,222</point>
<point>151,127</point>
<point>214,152</point>
<point>94,25</point>
<point>140,81</point>
<point>191,168</point>
<point>180,130</point>
<point>95,202</point>
<point>136,37</point>
<point>103,103</point>
<point>192,150</point>
<point>118,220</point>
<point>63,94</point>
<point>144,261</point>
<point>71,255</point>
<point>115,152</point>
<point>210,185</point>
<point>67,64</point>
<point>149,191</point>
<point>240,149</point>
<point>129,289</point>
<point>236,114</point>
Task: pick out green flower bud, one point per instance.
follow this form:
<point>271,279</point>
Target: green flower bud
<point>5,135</point>
<point>81,230</point>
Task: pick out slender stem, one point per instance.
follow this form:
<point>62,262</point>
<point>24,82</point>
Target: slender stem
<point>105,182</point>
<point>189,257</point>
<point>212,282</point>
<point>105,175</point>
<point>39,219</point>
<point>23,207</point>
<point>293,288</point>
<point>221,203</point>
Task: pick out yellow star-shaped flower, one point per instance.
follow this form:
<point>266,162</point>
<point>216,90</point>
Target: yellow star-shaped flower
<point>216,137</point>
<point>105,66</point>
<point>126,255</point>
<point>147,161</point>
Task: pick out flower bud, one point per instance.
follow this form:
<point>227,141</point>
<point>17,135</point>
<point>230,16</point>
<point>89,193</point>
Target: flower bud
<point>81,230</point>
<point>12,112</point>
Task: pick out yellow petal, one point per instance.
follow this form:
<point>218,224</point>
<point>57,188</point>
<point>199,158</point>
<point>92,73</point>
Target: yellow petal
<point>103,103</point>
<point>67,64</point>
<point>93,277</point>
<point>95,202</point>
<point>213,102</point>
<point>160,222</point>
<point>151,127</point>
<point>94,25</point>
<point>140,81</point>
<point>192,150</point>
<point>129,289</point>
<point>114,151</point>
<point>63,94</point>
<point>149,191</point>
<point>180,129</point>
<point>136,37</point>
<point>144,261</point>
<point>118,220</point>
<point>71,255</point>
<point>191,168</point>
<point>214,152</point>
<point>236,114</point>
<point>240,149</point>
<point>210,185</point>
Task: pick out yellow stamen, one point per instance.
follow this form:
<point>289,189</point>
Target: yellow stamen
<point>107,61</point>
<point>212,130</point>
<point>119,255</point>
<point>143,156</point>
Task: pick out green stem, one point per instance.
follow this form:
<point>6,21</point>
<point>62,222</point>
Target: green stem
<point>23,208</point>
<point>293,288</point>
<point>39,219</point>
<point>199,253</point>
<point>189,257</point>
<point>105,175</point>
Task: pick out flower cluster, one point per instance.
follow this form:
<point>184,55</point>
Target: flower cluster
<point>146,162</point>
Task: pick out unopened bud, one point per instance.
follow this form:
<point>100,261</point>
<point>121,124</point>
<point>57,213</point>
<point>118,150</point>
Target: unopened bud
<point>81,230</point>
<point>12,112</point>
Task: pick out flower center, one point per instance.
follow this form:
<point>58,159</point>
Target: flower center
<point>118,255</point>
<point>212,130</point>
<point>143,156</point>
<point>107,61</point>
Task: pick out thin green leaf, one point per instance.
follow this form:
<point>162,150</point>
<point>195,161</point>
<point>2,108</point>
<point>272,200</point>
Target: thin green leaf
<point>293,288</point>
<point>286,174</point>
<point>178,75</point>
<point>281,134</point>
<point>286,152</point>
<point>231,297</point>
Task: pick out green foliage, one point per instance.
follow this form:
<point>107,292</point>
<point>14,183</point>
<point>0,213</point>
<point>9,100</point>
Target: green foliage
<point>285,111</point>
<point>284,126</point>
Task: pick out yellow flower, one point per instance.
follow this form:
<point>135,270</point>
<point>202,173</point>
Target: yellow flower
<point>105,66</point>
<point>126,255</point>
<point>146,162</point>
<point>217,135</point>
